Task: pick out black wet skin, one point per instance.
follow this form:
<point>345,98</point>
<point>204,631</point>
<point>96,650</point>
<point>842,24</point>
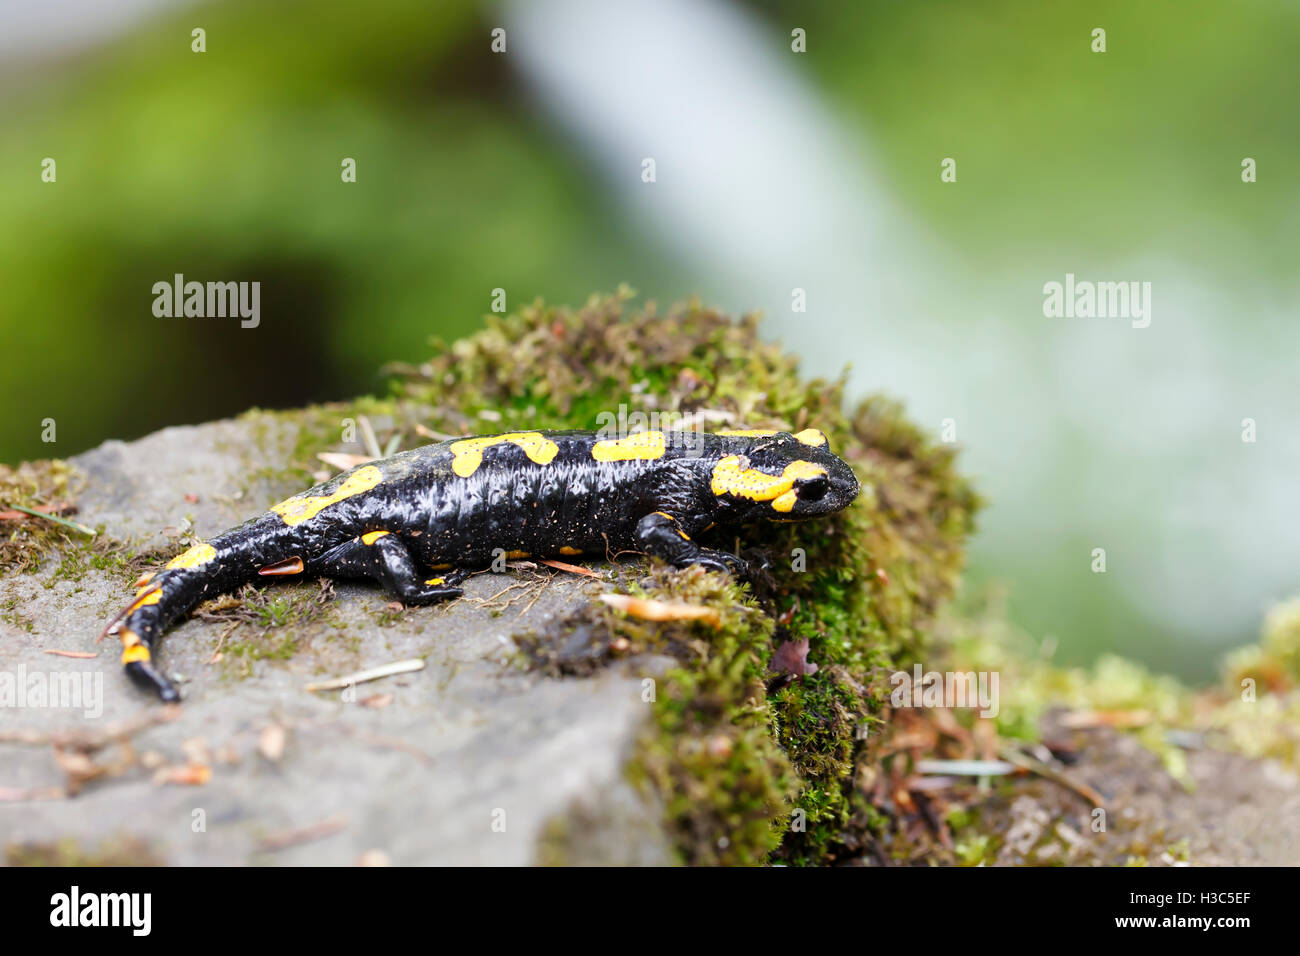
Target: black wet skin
<point>509,502</point>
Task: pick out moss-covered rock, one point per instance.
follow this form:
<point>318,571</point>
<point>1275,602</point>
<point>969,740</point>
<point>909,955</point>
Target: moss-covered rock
<point>746,763</point>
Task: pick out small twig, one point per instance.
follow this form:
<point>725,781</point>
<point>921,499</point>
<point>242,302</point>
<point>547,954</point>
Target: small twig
<point>1119,719</point>
<point>80,655</point>
<point>1011,755</point>
<point>966,768</point>
<point>360,677</point>
<point>316,831</point>
<point>221,642</point>
<point>536,597</point>
<point>488,602</point>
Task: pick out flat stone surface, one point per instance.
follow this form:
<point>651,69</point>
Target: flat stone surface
<point>466,743</point>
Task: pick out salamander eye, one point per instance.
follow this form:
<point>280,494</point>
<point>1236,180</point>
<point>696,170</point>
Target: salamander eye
<point>812,489</point>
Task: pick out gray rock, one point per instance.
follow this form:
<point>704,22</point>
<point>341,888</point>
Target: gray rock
<point>468,742</point>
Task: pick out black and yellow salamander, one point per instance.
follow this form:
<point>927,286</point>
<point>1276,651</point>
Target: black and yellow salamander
<point>460,503</point>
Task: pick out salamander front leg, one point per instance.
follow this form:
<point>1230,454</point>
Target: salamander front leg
<point>661,535</point>
<point>383,557</point>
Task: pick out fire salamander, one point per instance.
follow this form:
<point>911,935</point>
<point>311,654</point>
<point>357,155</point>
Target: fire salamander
<point>460,503</point>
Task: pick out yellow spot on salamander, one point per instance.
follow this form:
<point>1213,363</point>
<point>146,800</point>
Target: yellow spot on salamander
<point>516,555</point>
<point>784,503</point>
<point>729,478</point>
<point>435,582</point>
<point>136,652</point>
<point>132,647</point>
<point>152,597</point>
<point>199,554</point>
<point>811,436</point>
<point>643,446</point>
<point>570,551</point>
<point>370,537</point>
<point>301,508</point>
<point>747,432</point>
<point>469,453</point>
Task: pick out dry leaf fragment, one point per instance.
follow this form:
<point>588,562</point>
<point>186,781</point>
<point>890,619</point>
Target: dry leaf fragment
<point>186,774</point>
<point>650,610</point>
<point>792,658</point>
<point>360,677</point>
<point>571,568</point>
<point>272,740</point>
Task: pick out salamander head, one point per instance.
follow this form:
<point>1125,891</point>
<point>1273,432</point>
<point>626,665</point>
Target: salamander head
<point>785,477</point>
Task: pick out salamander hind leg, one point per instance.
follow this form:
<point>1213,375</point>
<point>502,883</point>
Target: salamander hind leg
<point>381,556</point>
<point>661,535</point>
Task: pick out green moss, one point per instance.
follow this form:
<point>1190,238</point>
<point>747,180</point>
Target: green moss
<point>1274,663</point>
<point>387,616</point>
<point>10,614</point>
<point>740,771</point>
<point>273,624</point>
<point>26,543</point>
<point>975,849</point>
<point>79,557</point>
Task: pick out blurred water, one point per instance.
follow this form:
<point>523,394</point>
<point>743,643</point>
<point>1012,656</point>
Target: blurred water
<point>34,30</point>
<point>1084,433</point>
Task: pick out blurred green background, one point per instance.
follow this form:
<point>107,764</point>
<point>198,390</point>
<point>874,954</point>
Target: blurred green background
<point>474,174</point>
